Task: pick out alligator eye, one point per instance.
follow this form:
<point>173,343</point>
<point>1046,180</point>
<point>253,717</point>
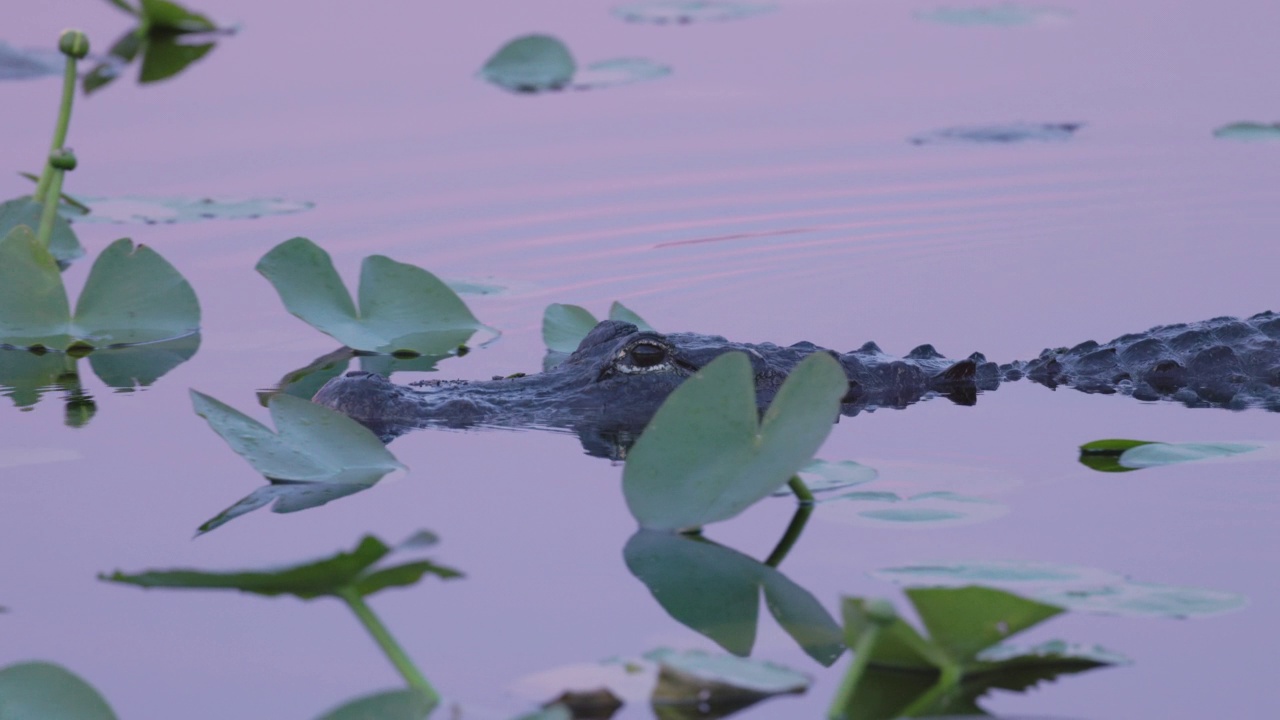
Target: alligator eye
<point>645,355</point>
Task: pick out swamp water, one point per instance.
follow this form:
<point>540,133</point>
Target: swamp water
<point>798,175</point>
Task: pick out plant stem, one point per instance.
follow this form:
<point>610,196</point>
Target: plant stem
<point>926,702</point>
<point>849,683</point>
<point>50,209</point>
<point>396,654</point>
<point>59,133</point>
<point>801,490</point>
<point>789,538</point>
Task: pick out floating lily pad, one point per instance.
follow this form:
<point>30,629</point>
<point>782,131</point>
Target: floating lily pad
<point>683,12</point>
<point>28,63</point>
<point>564,326</point>
<point>132,296</point>
<point>360,570</point>
<point>1076,588</point>
<point>44,691</point>
<point>701,678</point>
<point>822,476</point>
<point>402,704</point>
<point>1003,15</point>
<point>168,210</point>
<point>1249,132</point>
<point>926,510</point>
<point>289,497</point>
<point>1006,134</point>
<point>403,308</point>
<point>1156,454</point>
<point>705,456</point>
<point>63,244</point>
<point>541,63</point>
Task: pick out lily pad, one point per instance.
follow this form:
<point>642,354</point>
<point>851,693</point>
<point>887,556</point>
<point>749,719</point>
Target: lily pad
<point>314,444</point>
<point>715,591</point>
<point>132,296</point>
<point>288,497</point>
<point>1157,454</point>
<point>695,676</point>
<point>564,326</point>
<point>822,476</point>
<point>704,457</point>
<point>63,244</point>
<point>1002,15</point>
<point>169,38</point>
<point>925,510</point>
<point>28,63</point>
<point>541,63</point>
<point>360,571</point>
<point>402,704</point>
<point>1076,588</point>
<point>1005,134</point>
<point>403,308</point>
<point>44,691</point>
<point>1249,132</point>
<point>529,64</point>
<point>683,12</point>
<point>168,210</point>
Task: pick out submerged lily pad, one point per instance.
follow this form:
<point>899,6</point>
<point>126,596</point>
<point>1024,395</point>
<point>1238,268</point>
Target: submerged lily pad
<point>168,210</point>
<point>44,691</point>
<point>28,63</point>
<point>1003,15</point>
<point>132,296</point>
<point>541,63</point>
<point>564,326</point>
<point>683,12</point>
<point>1005,134</point>
<point>63,244</point>
<point>822,476</point>
<point>926,510</point>
<point>705,456</point>
<point>1076,588</point>
<point>1249,132</point>
<point>403,308</point>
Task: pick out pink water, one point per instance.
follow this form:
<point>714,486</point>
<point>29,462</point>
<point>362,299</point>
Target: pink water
<point>764,191</point>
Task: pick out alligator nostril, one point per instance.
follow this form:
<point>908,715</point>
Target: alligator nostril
<point>646,355</point>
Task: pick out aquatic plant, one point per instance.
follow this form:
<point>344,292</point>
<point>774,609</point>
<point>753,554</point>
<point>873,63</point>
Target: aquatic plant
<point>542,63</point>
<point>1117,455</point>
<point>564,326</point>
<point>45,691</point>
<point>168,37</point>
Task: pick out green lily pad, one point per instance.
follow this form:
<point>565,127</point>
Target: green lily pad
<point>704,457</point>
<point>683,12</point>
<point>822,476</point>
<point>1104,455</point>
<point>716,592</point>
<point>1157,454</point>
<point>926,510</point>
<point>359,571</point>
<point>701,677</point>
<point>1006,134</point>
<point>1003,15</point>
<point>288,497</point>
<point>168,210</point>
<point>132,296</point>
<point>28,63</point>
<point>541,63</point>
<point>1249,132</point>
<point>403,308</point>
<point>402,704</point>
<point>1076,588</point>
<point>565,326</point>
<point>63,244</point>
<point>529,64</point>
<point>314,444</point>
<point>169,38</point>
<point>44,691</point>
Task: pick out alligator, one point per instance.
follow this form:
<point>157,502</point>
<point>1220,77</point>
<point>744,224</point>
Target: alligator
<point>609,388</point>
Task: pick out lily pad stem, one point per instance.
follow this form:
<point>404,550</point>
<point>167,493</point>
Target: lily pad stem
<point>948,682</point>
<point>59,136</point>
<point>49,211</point>
<point>853,675</point>
<point>396,654</point>
<point>789,538</point>
<point>801,490</point>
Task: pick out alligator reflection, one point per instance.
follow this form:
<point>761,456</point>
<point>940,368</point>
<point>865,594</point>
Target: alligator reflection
<point>26,376</point>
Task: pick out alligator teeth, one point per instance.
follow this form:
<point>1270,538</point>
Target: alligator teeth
<point>635,370</point>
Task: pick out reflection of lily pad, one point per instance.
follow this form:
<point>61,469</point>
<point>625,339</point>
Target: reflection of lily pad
<point>926,510</point>
<point>683,12</point>
<point>1075,588</point>
<point>1249,132</point>
<point>1005,134</point>
<point>166,210</point>
<point>288,497</point>
<point>1003,15</point>
<point>541,63</point>
<point>27,63</point>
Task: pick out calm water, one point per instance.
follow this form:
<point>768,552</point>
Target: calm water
<point>764,191</point>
